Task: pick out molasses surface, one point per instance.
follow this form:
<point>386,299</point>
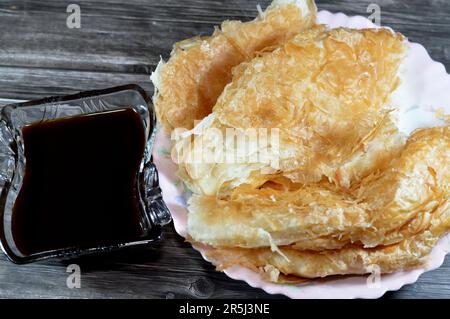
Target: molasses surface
<point>80,184</point>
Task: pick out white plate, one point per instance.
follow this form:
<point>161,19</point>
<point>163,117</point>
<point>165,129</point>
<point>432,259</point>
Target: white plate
<point>426,89</point>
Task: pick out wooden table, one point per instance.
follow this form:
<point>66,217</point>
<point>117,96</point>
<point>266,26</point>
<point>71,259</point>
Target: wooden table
<point>120,42</point>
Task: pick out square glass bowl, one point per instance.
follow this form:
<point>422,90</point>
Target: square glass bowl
<point>155,213</point>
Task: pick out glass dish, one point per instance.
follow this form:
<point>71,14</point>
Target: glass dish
<point>12,162</point>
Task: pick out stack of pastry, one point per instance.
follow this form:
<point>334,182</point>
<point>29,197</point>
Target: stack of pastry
<point>348,190</point>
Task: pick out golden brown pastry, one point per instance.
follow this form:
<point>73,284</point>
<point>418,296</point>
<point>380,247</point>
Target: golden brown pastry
<point>384,208</point>
<point>199,68</point>
<point>338,188</point>
<point>326,92</point>
<point>408,254</point>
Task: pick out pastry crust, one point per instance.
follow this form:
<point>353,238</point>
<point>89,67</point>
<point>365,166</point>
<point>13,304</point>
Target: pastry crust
<point>384,208</point>
<point>326,92</point>
<point>306,264</point>
<point>188,85</point>
<point>348,190</point>
<point>407,254</point>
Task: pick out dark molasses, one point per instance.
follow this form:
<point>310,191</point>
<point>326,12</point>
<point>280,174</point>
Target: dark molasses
<point>80,184</point>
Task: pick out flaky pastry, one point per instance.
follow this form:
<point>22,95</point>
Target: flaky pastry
<point>187,86</point>
<point>327,93</point>
<point>342,190</point>
<point>383,209</point>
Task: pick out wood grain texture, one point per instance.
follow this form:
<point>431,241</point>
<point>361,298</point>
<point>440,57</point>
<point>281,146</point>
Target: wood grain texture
<point>121,42</point>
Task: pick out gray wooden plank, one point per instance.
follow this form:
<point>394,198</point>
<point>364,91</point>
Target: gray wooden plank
<point>113,36</point>
<point>169,269</point>
<point>32,82</point>
<point>121,43</point>
<point>130,38</point>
